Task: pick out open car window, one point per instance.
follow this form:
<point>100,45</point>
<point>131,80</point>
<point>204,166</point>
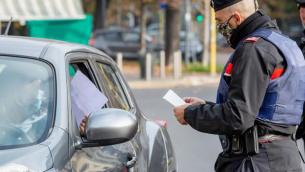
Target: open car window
<point>86,97</point>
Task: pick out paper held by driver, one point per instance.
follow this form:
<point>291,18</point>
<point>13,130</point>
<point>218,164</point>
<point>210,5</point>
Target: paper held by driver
<point>85,97</point>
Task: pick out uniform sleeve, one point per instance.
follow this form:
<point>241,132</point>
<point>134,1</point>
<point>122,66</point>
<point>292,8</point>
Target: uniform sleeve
<point>248,85</point>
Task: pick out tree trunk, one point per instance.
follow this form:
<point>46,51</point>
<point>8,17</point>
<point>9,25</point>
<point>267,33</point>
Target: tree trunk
<point>100,14</point>
<point>172,29</point>
<point>142,28</point>
<point>205,54</point>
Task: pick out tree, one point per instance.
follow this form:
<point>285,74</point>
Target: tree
<point>172,29</point>
<point>284,11</point>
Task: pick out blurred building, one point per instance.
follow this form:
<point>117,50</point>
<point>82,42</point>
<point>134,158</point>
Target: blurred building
<point>54,19</point>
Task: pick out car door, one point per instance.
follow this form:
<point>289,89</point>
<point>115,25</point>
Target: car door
<point>106,158</point>
<point>120,98</point>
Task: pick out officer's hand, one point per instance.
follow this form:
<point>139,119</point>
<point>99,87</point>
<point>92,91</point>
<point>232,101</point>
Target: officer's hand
<point>194,100</point>
<point>179,113</point>
<point>82,126</point>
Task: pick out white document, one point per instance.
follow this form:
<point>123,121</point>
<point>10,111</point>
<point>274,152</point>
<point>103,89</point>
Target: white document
<point>86,98</point>
<point>173,98</point>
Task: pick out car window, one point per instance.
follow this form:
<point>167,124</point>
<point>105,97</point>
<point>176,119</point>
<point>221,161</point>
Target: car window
<point>132,37</point>
<point>112,36</point>
<point>81,93</point>
<point>113,87</point>
<point>81,66</point>
<point>26,101</point>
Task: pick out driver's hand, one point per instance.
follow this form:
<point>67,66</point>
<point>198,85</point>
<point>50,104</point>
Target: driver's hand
<point>82,126</point>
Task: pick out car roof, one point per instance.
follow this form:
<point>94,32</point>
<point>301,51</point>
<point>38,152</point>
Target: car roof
<point>114,29</point>
<point>36,47</point>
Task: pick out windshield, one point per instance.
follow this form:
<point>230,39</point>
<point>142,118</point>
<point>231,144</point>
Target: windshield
<point>26,101</point>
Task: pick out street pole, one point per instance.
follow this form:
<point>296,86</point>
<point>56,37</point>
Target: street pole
<point>104,11</point>
<point>143,28</point>
<point>142,60</point>
<point>205,57</point>
<point>119,12</point>
<point>213,43</point>
<point>148,65</point>
<point>161,27</point>
<point>172,29</point>
<point>119,61</point>
<point>177,64</point>
<point>187,31</point>
<point>100,14</point>
<point>162,65</point>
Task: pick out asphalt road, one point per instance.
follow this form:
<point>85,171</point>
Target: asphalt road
<point>195,151</point>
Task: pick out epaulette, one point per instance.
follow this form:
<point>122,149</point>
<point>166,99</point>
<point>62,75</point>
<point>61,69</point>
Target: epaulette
<point>252,39</point>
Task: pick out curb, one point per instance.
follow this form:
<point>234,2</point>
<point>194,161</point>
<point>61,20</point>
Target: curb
<point>186,81</point>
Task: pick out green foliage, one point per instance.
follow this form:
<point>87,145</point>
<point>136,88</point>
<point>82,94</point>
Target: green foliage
<point>280,9</point>
<point>199,68</point>
<point>284,11</point>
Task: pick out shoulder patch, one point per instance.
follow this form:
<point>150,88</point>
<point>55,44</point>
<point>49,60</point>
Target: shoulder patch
<point>228,70</point>
<point>252,39</point>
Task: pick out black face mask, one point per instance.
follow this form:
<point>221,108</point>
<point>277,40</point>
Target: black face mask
<point>225,29</point>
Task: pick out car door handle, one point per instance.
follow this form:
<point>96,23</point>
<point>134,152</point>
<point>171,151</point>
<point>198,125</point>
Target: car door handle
<point>132,159</point>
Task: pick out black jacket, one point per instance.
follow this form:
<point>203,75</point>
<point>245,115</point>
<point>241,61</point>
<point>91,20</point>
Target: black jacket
<point>301,129</point>
<point>253,65</point>
<point>302,42</point>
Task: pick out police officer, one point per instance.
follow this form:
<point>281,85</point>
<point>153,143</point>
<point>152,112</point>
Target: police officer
<point>301,7</point>
<point>260,95</point>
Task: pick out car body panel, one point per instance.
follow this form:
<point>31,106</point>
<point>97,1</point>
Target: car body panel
<point>10,44</point>
<point>58,143</point>
<point>62,150</point>
<point>37,157</point>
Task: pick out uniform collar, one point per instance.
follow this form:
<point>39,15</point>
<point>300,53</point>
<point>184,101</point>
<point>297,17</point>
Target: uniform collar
<point>256,21</point>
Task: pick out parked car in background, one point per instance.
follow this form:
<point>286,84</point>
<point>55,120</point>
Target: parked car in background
<point>194,46</point>
<point>38,130</point>
<point>116,40</point>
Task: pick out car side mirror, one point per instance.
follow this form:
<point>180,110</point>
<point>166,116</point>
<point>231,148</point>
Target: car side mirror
<point>110,126</point>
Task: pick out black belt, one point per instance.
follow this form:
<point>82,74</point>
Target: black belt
<point>262,132</point>
<point>249,142</point>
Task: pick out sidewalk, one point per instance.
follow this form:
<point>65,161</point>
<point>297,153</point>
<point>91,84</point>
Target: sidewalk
<point>185,81</point>
<point>131,72</point>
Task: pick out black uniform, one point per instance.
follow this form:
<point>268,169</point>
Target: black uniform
<point>254,62</point>
<point>302,42</point>
<point>301,130</point>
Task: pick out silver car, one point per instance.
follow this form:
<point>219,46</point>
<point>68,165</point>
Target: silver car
<point>39,132</point>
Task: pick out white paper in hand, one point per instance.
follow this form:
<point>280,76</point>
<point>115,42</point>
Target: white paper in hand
<point>173,98</point>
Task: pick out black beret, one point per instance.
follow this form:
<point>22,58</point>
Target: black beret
<point>221,4</point>
<point>301,1</point>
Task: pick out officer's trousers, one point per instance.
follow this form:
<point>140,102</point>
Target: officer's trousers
<point>278,156</point>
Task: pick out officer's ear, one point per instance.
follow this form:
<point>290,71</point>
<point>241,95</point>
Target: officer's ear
<point>236,20</point>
